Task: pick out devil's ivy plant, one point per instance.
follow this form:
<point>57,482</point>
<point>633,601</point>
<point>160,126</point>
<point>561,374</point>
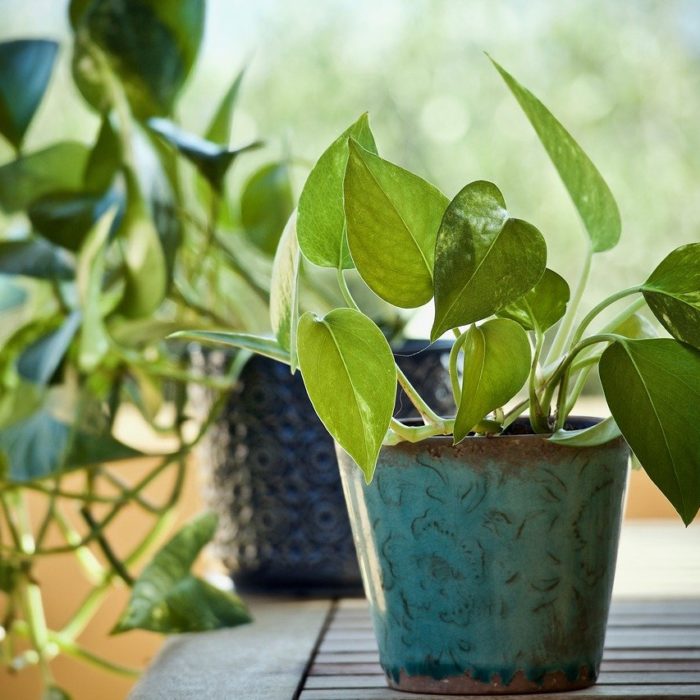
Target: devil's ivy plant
<point>516,324</point>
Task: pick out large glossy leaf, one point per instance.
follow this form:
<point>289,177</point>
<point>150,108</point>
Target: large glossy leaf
<point>260,345</point>
<point>168,598</point>
<point>35,257</point>
<point>542,306</point>
<point>393,217</point>
<point>219,129</point>
<point>483,259</point>
<point>11,296</point>
<point>673,293</point>
<point>653,390</point>
<point>284,290</point>
<point>267,201</point>
<point>496,365</point>
<point>589,191</point>
<point>64,218</point>
<point>211,159</point>
<point>58,167</point>
<point>350,377</point>
<point>39,361</point>
<point>146,270</point>
<point>598,434</point>
<point>151,45</point>
<point>321,218</point>
<point>25,69</point>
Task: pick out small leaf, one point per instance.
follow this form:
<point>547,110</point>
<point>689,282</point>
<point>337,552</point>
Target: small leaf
<point>167,598</point>
<point>483,259</point>
<point>260,345</point>
<point>350,376</point>
<point>673,293</point>
<point>598,434</point>
<point>543,305</point>
<point>266,203</point>
<point>321,217</point>
<point>589,191</point>
<point>219,130</point>
<point>284,303</point>
<point>653,390</point>
<point>212,160</point>
<point>496,365</point>
<point>35,257</point>
<point>25,70</point>
<point>393,217</point>
<point>58,167</point>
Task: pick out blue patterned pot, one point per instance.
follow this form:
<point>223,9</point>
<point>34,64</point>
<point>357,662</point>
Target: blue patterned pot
<point>489,565</point>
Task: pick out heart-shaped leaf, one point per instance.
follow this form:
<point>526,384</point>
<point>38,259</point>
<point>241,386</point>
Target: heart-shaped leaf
<point>598,434</point>
<point>167,598</point>
<point>284,290</point>
<point>496,365</point>
<point>267,201</point>
<point>151,45</point>
<point>542,306</point>
<point>393,218</point>
<point>321,217</point>
<point>58,167</point>
<point>219,129</point>
<point>483,259</point>
<point>35,257</point>
<point>350,377</point>
<point>25,70</point>
<point>590,193</point>
<point>653,390</point>
<point>673,293</point>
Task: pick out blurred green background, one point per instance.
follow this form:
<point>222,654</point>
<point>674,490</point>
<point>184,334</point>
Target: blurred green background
<point>623,77</point>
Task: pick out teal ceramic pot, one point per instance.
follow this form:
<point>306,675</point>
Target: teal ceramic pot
<point>489,565</point>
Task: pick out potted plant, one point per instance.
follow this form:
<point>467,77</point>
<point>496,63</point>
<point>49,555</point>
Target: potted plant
<point>487,540</point>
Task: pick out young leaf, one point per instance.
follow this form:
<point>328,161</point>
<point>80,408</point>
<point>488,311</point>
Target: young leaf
<point>543,305</point>
<point>25,69</point>
<point>167,598</point>
<point>653,390</point>
<point>260,345</point>
<point>350,377</point>
<point>219,130</point>
<point>35,257</point>
<point>267,201</point>
<point>393,218</point>
<point>483,259</point>
<point>673,293</point>
<point>496,365</point>
<point>321,217</point>
<point>284,309</point>
<point>590,193</point>
<point>597,434</point>
<point>58,167</point>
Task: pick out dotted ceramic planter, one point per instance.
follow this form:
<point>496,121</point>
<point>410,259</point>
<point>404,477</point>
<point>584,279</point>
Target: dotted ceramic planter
<point>489,565</point>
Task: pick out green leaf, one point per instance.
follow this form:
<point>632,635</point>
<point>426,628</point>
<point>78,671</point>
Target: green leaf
<point>636,327</point>
<point>590,193</point>
<point>543,305</point>
<point>393,217</point>
<point>673,293</point>
<point>53,692</point>
<point>35,257</point>
<point>11,296</point>
<point>167,598</point>
<point>64,218</point>
<point>496,365</point>
<point>219,130</point>
<point>151,45</point>
<point>105,158</point>
<point>211,159</point>
<point>40,360</point>
<point>146,270</point>
<point>58,167</point>
<point>266,203</point>
<point>321,217</point>
<point>284,302</point>
<point>260,345</point>
<point>483,259</point>
<point>350,377</point>
<point>653,390</point>
<point>598,434</point>
<point>25,70</point>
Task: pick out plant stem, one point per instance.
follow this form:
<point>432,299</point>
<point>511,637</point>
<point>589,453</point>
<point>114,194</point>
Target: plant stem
<point>427,413</point>
<point>538,419</point>
<point>69,647</point>
<point>454,374</point>
<point>344,290</point>
<point>87,560</point>
<point>514,412</point>
<point>400,432</point>
<point>114,561</point>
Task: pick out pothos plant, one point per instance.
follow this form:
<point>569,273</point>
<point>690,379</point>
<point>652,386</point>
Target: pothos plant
<point>100,258</point>
<point>516,324</point>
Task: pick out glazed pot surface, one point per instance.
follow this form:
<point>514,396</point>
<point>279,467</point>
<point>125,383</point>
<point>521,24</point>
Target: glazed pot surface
<point>489,565</point>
